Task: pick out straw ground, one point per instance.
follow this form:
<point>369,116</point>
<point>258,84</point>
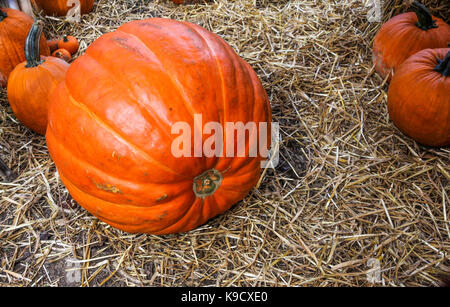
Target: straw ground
<point>351,193</point>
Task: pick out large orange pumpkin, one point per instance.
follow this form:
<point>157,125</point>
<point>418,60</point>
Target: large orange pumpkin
<point>419,97</point>
<point>31,82</point>
<point>404,35</point>
<point>61,7</point>
<point>14,28</point>
<point>110,126</point>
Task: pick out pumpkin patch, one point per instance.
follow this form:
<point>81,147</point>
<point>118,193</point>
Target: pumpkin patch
<point>246,143</point>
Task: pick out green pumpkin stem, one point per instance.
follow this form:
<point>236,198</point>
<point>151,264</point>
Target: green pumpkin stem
<point>426,21</point>
<point>4,169</point>
<point>444,66</point>
<point>3,15</point>
<point>32,45</point>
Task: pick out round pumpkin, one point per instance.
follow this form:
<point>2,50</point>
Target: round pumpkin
<point>404,35</point>
<point>31,83</point>
<point>111,122</point>
<point>60,7</point>
<point>69,43</point>
<point>62,54</point>
<point>52,44</point>
<point>14,28</point>
<point>419,97</point>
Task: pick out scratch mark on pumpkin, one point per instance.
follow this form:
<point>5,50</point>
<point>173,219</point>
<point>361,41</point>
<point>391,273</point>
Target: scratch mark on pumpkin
<point>163,215</point>
<point>107,187</point>
<point>125,43</point>
<point>148,24</point>
<point>162,198</point>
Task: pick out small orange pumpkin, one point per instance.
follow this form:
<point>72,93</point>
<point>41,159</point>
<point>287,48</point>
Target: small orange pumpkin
<point>53,44</point>
<point>404,35</point>
<point>32,81</point>
<point>62,54</point>
<point>419,97</point>
<point>69,43</point>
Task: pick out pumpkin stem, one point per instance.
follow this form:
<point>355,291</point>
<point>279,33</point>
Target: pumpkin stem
<point>3,15</point>
<point>65,39</point>
<point>207,183</point>
<point>7,173</point>
<point>426,21</point>
<point>32,45</point>
<point>444,65</point>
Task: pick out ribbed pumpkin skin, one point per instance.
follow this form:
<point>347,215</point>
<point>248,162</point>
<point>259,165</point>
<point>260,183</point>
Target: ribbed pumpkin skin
<point>13,33</point>
<point>60,8</point>
<point>121,99</point>
<point>399,38</point>
<point>29,89</point>
<point>419,99</point>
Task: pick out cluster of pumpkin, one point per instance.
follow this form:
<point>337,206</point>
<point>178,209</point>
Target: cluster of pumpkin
<point>26,67</point>
<point>63,48</point>
<point>412,52</point>
<point>108,115</point>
